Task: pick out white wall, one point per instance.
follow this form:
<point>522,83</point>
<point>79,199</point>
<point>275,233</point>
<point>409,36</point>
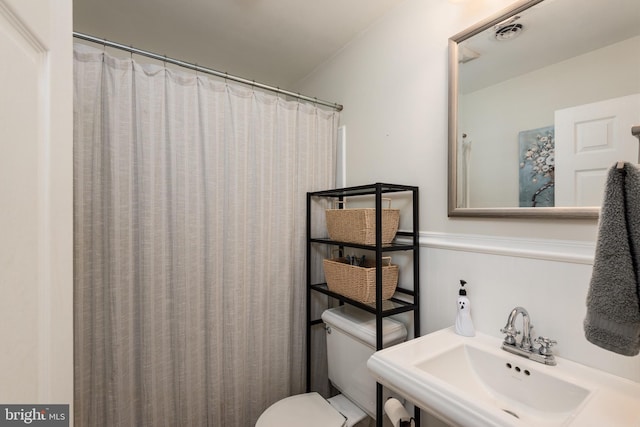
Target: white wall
<point>392,81</point>
<point>549,278</point>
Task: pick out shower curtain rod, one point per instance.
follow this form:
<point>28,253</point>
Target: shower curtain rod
<point>205,70</point>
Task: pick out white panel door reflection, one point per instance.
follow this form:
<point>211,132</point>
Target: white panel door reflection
<point>591,138</point>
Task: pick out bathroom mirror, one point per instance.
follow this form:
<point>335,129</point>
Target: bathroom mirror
<point>542,99</point>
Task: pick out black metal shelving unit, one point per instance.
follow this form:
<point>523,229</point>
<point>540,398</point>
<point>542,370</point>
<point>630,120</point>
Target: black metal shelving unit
<point>404,300</point>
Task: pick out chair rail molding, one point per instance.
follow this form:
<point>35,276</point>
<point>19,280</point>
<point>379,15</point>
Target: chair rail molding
<point>568,251</point>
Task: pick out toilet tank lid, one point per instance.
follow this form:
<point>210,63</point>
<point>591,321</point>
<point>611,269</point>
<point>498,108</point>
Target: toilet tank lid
<point>362,325</point>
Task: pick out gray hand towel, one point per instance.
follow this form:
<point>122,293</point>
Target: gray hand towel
<point>613,300</point>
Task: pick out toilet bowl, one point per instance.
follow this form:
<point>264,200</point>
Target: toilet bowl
<point>351,340</point>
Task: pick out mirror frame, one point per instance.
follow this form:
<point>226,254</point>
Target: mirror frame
<point>511,212</point>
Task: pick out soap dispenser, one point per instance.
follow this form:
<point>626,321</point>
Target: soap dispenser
<point>464,324</point>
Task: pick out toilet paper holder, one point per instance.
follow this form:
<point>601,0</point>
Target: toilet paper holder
<point>397,413</point>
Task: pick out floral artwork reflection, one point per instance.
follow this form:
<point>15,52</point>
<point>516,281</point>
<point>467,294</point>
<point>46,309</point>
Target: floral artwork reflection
<point>537,167</point>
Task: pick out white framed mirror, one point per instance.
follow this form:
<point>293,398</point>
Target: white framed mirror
<point>542,99</point>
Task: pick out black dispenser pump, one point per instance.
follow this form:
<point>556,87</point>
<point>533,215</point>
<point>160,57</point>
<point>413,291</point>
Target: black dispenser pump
<point>462,291</point>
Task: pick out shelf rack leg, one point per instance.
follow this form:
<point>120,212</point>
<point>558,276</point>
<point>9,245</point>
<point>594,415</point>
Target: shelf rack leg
<point>308,286</point>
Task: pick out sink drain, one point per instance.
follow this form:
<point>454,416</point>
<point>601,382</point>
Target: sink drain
<point>511,413</point>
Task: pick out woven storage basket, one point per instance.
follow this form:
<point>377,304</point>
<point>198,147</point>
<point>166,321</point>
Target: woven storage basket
<point>359,283</point>
<point>359,225</point>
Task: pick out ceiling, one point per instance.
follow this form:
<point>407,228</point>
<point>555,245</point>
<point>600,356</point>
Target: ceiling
<point>275,42</point>
<point>553,31</point>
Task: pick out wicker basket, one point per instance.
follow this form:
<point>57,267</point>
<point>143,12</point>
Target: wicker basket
<point>359,283</point>
<point>359,225</point>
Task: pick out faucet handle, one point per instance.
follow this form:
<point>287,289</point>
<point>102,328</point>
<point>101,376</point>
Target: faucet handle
<point>545,345</point>
<point>511,333</point>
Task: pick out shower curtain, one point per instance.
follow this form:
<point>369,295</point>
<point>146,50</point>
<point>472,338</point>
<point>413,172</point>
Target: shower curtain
<point>189,237</point>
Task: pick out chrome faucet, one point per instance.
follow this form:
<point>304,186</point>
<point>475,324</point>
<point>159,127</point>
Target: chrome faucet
<point>525,348</point>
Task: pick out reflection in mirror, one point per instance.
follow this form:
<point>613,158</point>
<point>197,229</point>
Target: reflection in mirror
<point>542,101</point>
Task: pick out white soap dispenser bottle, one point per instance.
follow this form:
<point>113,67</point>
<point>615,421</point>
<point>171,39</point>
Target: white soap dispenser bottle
<point>464,324</point>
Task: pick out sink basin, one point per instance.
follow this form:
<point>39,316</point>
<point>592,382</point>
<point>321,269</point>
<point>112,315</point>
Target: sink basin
<point>506,385</point>
<point>471,381</point>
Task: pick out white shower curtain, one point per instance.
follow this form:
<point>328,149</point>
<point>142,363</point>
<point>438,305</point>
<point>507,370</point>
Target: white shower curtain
<point>189,222</point>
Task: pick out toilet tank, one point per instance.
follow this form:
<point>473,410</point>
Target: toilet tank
<point>351,340</point>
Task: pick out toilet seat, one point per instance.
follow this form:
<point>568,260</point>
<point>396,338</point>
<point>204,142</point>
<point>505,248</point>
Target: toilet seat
<point>309,410</point>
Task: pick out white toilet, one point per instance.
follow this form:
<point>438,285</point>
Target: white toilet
<point>351,340</point>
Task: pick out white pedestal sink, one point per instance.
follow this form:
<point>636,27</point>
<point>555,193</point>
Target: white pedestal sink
<point>473,382</point>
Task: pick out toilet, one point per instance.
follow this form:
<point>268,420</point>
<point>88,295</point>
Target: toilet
<point>351,340</point>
